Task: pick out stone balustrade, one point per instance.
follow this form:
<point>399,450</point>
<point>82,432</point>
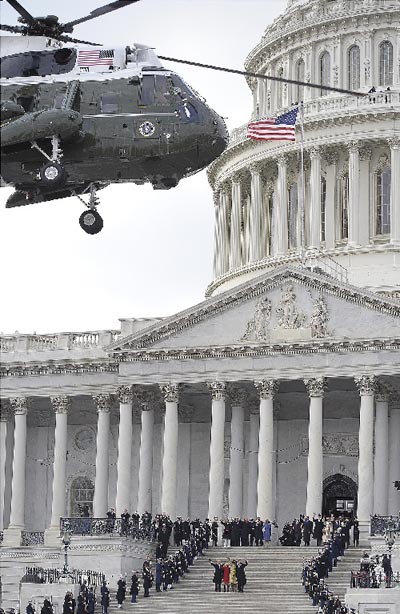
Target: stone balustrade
<point>319,108</point>
<point>60,341</point>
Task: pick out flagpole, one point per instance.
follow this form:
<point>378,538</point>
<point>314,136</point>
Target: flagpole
<point>303,186</point>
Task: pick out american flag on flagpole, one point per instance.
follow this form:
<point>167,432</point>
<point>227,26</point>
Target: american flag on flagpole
<point>280,128</point>
<point>96,57</point>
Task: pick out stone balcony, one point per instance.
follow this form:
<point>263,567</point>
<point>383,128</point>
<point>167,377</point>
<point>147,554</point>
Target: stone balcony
<point>18,343</point>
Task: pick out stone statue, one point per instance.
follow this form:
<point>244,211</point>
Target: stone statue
<point>319,318</point>
<point>288,316</point>
<point>257,325</point>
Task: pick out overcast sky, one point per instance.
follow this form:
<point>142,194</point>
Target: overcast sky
<point>154,255</point>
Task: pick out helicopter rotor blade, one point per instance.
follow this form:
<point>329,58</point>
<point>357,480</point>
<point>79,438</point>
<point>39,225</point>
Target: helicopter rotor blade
<point>69,39</point>
<point>102,10</point>
<point>6,28</point>
<point>261,76</point>
<point>28,18</point>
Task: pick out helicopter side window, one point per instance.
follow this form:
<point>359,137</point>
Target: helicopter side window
<point>26,102</point>
<point>147,91</point>
<point>109,103</point>
<point>162,91</point>
<point>38,63</point>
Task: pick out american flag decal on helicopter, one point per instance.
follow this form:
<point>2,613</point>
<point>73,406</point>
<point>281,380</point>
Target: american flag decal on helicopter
<point>96,57</point>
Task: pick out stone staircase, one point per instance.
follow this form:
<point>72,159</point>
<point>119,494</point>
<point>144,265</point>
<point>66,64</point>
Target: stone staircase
<point>273,584</point>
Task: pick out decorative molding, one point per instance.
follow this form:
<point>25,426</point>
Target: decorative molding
<point>218,390</point>
<point>267,388</point>
<point>55,368</point>
<point>288,315</point>
<point>125,394</point>
<point>365,154</point>
<point>316,387</point>
<point>103,402</point>
<point>19,405</point>
<point>319,318</point>
<point>5,410</point>
<point>257,325</point>
<point>237,396</point>
<point>394,142</point>
<point>60,404</point>
<point>366,384</point>
<point>171,392</point>
<point>145,398</point>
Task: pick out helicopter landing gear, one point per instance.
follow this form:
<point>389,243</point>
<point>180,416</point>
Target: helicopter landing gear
<point>91,221</point>
<point>52,174</point>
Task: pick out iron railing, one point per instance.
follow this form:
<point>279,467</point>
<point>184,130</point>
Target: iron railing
<point>32,538</point>
<point>373,579</point>
<point>39,575</point>
<point>107,526</point>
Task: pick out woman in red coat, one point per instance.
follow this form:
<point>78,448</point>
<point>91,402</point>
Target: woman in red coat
<point>226,576</point>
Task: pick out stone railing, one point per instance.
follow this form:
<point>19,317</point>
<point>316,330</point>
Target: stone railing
<point>106,526</point>
<point>32,538</point>
<point>328,105</point>
<point>39,575</point>
<point>59,341</point>
<point>380,525</point>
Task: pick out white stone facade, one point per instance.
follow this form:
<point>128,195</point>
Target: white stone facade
<point>265,399</point>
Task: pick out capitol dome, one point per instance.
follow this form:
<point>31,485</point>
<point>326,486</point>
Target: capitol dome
<point>351,216</point>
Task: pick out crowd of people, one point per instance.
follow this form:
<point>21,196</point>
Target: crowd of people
<point>230,574</point>
<point>321,529</point>
<point>317,569</point>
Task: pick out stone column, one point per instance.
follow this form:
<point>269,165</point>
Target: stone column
<point>145,492</point>
<point>281,218</point>
<point>395,190</point>
<point>366,387</point>
<point>236,224</point>
<point>354,192</point>
<point>60,406</point>
<point>170,393</point>
<point>217,237</point>
<point>124,462</point>
<point>254,410</point>
<point>12,535</point>
<point>315,388</point>
<point>381,466</point>
<point>217,464</point>
<point>4,418</point>
<point>255,213</point>
<point>100,502</point>
<point>237,398</point>
<point>330,234</point>
<point>265,487</point>
<point>364,200</point>
<point>394,455</point>
<point>315,200</point>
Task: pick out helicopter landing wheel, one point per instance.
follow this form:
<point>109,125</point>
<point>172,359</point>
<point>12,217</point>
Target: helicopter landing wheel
<point>91,221</point>
<point>52,174</point>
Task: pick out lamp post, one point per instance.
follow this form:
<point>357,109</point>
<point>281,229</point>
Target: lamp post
<point>66,540</point>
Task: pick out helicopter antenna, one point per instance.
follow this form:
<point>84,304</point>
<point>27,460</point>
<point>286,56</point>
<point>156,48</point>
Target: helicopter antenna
<point>261,76</point>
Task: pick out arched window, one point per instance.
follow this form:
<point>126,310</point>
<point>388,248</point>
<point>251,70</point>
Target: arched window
<point>323,207</point>
<point>293,216</point>
<point>354,67</point>
<point>81,494</point>
<point>343,208</point>
<point>383,180</point>
<point>386,63</point>
<point>325,71</point>
<point>300,76</point>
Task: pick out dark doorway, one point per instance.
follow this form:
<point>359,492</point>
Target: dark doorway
<point>339,496</point>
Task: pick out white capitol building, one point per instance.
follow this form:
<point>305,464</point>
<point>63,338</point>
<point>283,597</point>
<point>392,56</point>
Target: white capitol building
<point>280,393</point>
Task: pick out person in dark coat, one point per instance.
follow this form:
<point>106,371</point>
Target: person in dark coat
<point>218,574</point>
<point>29,608</point>
<point>214,532</point>
<point>105,597</point>
<point>47,607</point>
<point>147,578</point>
<point>387,568</point>
<point>91,601</point>
<point>307,530</point>
<point>356,534</point>
<point>241,575</point>
<point>121,592</point>
<point>69,604</point>
<point>134,590</point>
<point>318,529</point>
<point>81,604</point>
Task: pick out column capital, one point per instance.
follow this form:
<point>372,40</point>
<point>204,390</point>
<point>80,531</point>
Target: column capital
<point>218,390</point>
<point>331,157</point>
<point>185,413</point>
<point>316,386</point>
<point>103,402</point>
<point>171,392</point>
<point>19,405</point>
<point>60,404</point>
<point>237,396</point>
<point>365,153</point>
<point>254,407</point>
<point>282,160</point>
<point>125,394</point>
<point>394,142</point>
<point>366,384</point>
<point>315,153</point>
<point>267,388</point>
<point>353,146</point>
<point>238,176</point>
<point>146,399</point>
<point>255,168</point>
<point>5,410</point>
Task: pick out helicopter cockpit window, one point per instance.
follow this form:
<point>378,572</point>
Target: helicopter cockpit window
<point>162,91</point>
<point>38,63</point>
<point>109,103</point>
<point>147,91</point>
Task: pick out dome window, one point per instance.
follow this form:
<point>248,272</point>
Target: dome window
<point>386,63</point>
<point>354,67</point>
<point>383,180</point>
<point>325,71</point>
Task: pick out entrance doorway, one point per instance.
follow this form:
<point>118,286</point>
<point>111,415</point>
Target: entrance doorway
<point>339,496</point>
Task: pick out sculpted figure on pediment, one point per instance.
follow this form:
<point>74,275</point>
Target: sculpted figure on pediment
<point>257,326</point>
<point>319,318</point>
<point>288,315</point>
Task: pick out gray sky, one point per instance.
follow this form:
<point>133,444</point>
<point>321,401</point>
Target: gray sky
<point>154,255</point>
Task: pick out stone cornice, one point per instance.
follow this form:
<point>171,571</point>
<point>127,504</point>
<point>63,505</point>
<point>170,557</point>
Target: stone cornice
<point>52,367</point>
